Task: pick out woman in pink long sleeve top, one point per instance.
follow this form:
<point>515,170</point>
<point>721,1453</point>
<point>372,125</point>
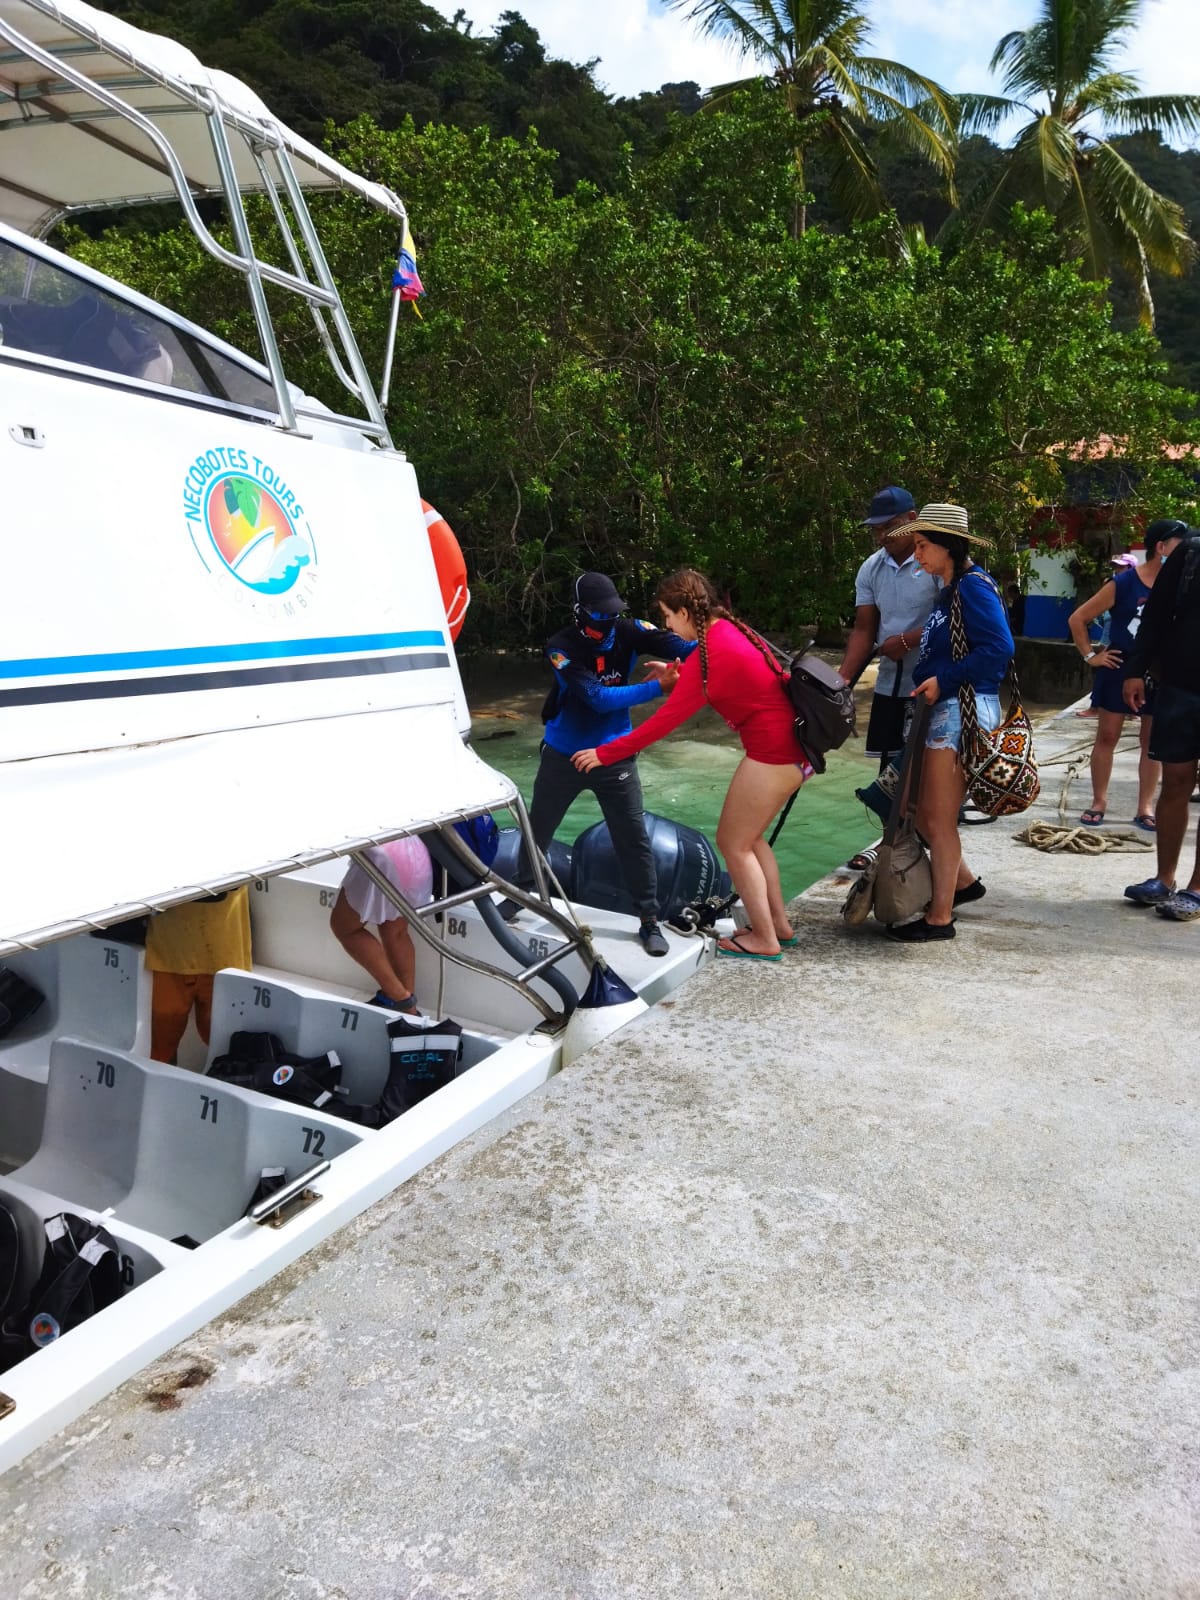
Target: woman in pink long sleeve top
<point>732,673</point>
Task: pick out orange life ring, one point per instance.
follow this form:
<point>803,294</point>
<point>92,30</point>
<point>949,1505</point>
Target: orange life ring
<point>451,568</point>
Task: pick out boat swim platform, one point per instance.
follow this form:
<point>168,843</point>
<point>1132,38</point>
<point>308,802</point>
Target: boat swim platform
<point>867,1274</point>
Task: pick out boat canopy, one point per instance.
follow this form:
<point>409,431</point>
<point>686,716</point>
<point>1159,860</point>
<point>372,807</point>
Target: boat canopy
<point>64,147</point>
<point>107,834</point>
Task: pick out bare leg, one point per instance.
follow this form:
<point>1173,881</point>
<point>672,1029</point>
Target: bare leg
<point>1108,731</point>
<point>351,933</point>
<point>1149,772</point>
<point>943,785</point>
<point>1179,779</point>
<point>775,900</point>
<point>398,946</point>
<point>1194,882</point>
<point>756,792</point>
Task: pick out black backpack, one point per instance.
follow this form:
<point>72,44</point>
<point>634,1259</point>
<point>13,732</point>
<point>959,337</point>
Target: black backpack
<point>1191,570</point>
<point>821,698</point>
<point>81,1274</point>
<point>824,705</point>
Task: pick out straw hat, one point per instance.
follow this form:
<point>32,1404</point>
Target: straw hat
<point>935,518</point>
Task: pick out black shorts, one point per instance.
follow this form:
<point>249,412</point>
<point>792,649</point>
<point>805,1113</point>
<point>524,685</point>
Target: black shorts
<point>1175,734</point>
<point>888,723</point>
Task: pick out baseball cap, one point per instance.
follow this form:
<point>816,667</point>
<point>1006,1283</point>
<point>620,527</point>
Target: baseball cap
<point>595,592</point>
<point>888,503</point>
<point>1161,530</point>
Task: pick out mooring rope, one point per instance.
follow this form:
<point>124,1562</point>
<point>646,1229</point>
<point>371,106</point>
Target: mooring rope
<point>1073,838</point>
<point>1080,841</point>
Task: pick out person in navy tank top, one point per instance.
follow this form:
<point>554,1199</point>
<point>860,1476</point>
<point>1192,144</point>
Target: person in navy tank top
<point>1123,597</point>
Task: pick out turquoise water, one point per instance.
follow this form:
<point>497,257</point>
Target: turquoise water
<point>685,777</point>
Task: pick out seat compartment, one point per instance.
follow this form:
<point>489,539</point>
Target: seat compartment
<point>170,1152</point>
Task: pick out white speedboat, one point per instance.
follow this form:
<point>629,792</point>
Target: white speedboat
<point>226,661</point>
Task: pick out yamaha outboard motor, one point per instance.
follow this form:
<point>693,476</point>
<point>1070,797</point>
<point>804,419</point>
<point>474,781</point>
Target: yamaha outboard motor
<point>689,870</point>
<point>505,863</point>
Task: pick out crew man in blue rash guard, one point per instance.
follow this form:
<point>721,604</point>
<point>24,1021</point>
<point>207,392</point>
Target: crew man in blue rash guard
<point>592,662</point>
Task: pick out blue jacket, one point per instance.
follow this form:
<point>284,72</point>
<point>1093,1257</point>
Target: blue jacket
<point>590,702</point>
<point>989,638</point>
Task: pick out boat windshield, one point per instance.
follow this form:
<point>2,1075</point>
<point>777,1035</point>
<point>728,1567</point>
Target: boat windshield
<point>46,310</point>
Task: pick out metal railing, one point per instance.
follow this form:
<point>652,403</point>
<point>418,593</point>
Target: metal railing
<point>322,293</point>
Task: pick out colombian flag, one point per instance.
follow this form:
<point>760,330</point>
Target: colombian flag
<point>406,280</point>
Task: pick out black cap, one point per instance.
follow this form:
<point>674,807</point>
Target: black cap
<point>595,592</point>
<point>1162,530</point>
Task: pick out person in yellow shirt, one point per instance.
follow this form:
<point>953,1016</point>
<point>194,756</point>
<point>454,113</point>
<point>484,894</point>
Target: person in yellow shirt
<point>185,946</point>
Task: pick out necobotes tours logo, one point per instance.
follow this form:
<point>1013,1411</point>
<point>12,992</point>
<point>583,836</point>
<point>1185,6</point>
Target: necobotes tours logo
<point>249,528</point>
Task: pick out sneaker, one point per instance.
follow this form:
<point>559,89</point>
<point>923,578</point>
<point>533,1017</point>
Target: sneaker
<point>653,939</point>
<point>1150,893</point>
<point>408,1007</point>
<point>1182,906</point>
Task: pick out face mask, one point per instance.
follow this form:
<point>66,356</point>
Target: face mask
<point>599,626</point>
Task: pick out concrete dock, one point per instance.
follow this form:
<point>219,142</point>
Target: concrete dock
<point>871,1274</point>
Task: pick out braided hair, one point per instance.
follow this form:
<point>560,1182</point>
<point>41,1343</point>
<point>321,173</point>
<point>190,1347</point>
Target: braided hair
<point>690,591</point>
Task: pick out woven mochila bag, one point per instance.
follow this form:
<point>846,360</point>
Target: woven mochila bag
<point>1001,768</point>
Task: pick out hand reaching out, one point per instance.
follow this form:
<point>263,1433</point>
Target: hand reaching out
<point>667,673</point>
<point>586,760</point>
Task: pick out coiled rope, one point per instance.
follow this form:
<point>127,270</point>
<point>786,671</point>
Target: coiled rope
<point>1073,838</point>
<point>1080,841</point>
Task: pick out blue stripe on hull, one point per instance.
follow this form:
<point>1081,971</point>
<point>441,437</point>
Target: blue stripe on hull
<point>207,655</point>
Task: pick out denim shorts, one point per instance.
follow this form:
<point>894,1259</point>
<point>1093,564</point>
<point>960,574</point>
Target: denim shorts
<point>945,721</point>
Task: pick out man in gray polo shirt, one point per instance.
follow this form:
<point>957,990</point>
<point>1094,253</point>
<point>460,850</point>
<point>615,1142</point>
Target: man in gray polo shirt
<point>892,601</point>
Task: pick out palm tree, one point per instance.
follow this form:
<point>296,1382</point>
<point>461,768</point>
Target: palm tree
<point>813,49</point>
<point>1060,73</point>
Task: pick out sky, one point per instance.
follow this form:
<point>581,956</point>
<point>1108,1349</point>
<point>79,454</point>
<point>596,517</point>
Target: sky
<point>640,44</point>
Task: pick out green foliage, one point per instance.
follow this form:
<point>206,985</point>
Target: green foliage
<point>321,61</point>
<point>1060,74</point>
<point>628,381</point>
<point>1176,174</point>
<point>814,55</point>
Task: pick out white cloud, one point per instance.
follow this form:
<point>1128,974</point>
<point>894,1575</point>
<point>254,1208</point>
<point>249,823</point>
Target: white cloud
<point>1166,49</point>
<point>641,46</point>
<point>960,35</point>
